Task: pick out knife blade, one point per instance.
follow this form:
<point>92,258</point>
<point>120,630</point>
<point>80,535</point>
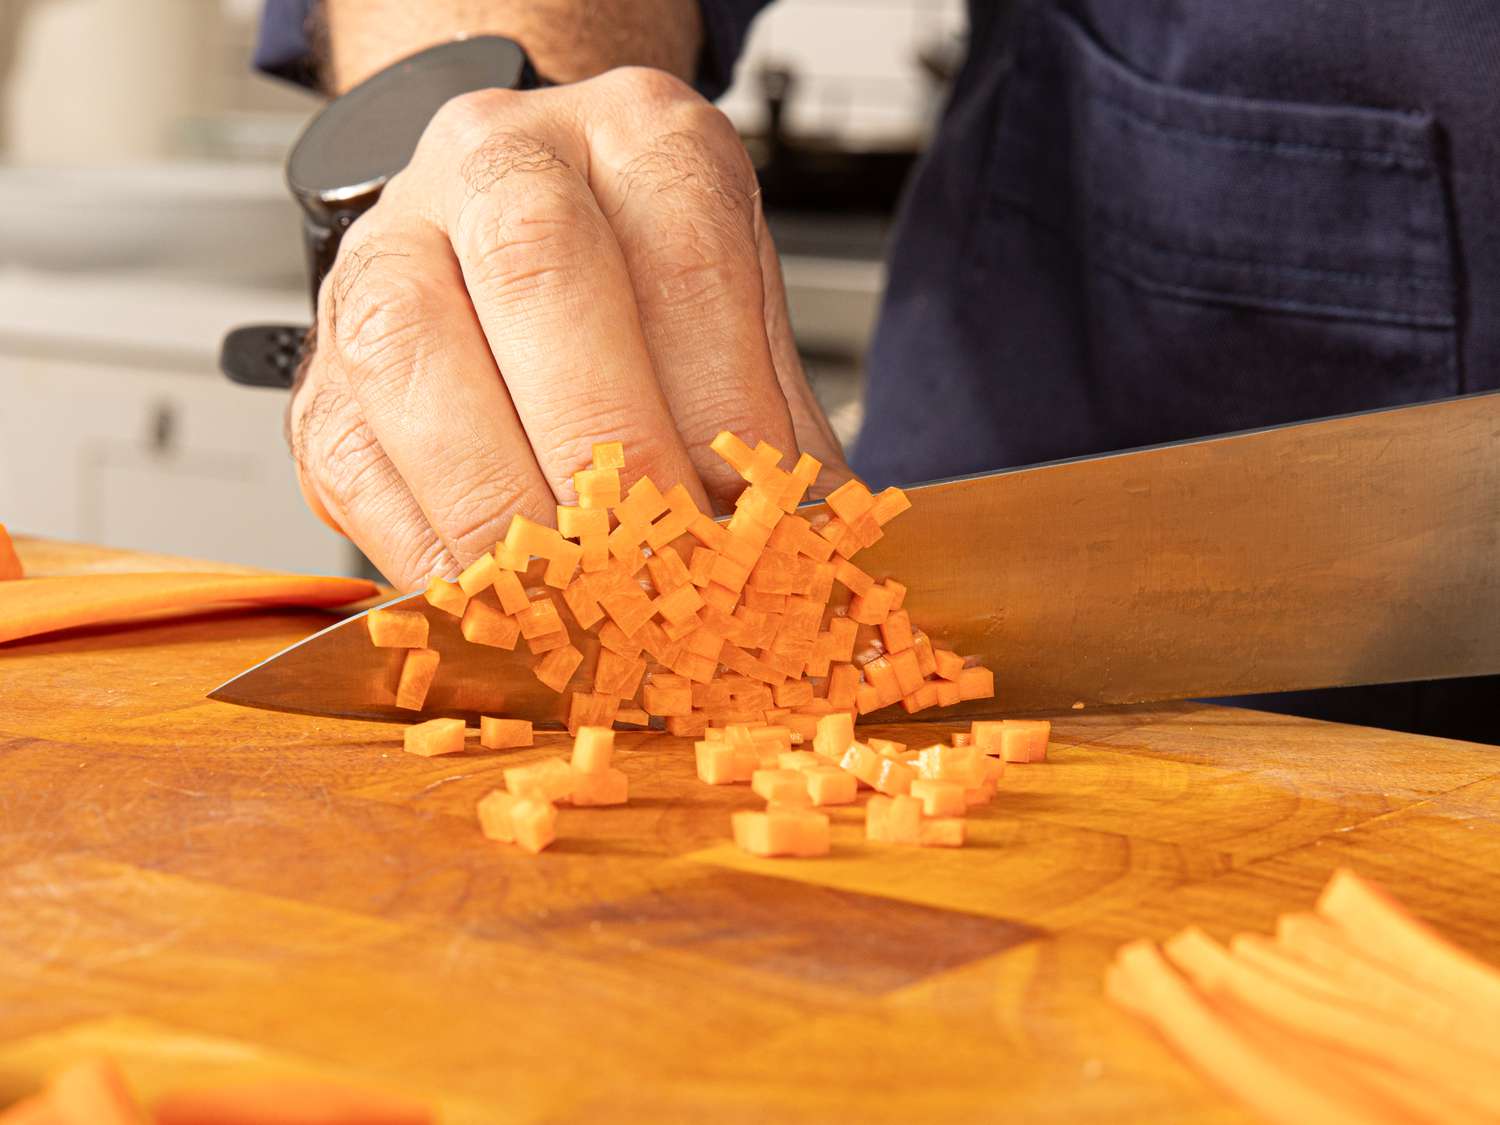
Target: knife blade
<point>1351,550</point>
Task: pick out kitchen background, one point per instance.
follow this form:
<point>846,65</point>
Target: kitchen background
<point>142,213</point>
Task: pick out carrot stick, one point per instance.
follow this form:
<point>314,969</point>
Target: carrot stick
<point>29,606</point>
<point>287,1102</point>
<point>1363,1031</point>
<point>1385,931</point>
<point>1265,954</point>
<point>1142,981</point>
<point>1321,944</point>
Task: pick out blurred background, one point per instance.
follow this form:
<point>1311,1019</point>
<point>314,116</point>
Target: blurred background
<point>142,213</point>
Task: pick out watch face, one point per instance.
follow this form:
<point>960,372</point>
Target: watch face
<point>362,139</point>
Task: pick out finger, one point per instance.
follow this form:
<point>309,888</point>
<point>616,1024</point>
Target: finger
<point>814,433</point>
<point>398,324</point>
<point>682,206</point>
<point>552,291</point>
<point>344,471</point>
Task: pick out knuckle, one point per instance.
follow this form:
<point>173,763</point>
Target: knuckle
<point>648,87</point>
<point>506,151</point>
<point>470,115</point>
<point>374,310</point>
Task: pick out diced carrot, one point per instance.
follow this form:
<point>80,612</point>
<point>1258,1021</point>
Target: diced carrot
<point>687,726</point>
<point>597,488</point>
<point>665,700</point>
<point>562,565</point>
<point>801,760</point>
<point>708,533</point>
<point>888,504</point>
<point>681,514</point>
<point>632,716</point>
<point>495,809</point>
<point>606,787</point>
<point>779,786</point>
<point>849,500</point>
<point>504,734</point>
<point>1014,740</point>
<point>881,774</point>
<point>593,747</point>
<point>829,785</point>
<point>630,609</point>
<point>887,748</point>
<point>478,575</point>
<point>893,820</point>
<point>947,693</point>
<point>680,605</point>
<point>922,645</point>
<point>733,450</point>
<point>539,618</point>
<point>939,798</point>
<point>418,671</point>
<point>782,832</point>
<point>546,643</point>
<point>924,697</point>
<point>908,675</point>
<point>667,570</point>
<point>720,597</point>
<point>793,693</point>
<point>10,562</point>
<point>592,709</point>
<point>575,523</point>
<point>870,608</point>
<point>512,594</point>
<point>976,683</point>
<point>551,779</point>
<point>609,455</point>
<point>486,624</point>
<point>446,596</point>
<point>618,675</point>
<point>614,639</point>
<point>535,823</point>
<point>881,676</point>
<point>397,628</point>
<point>803,475</point>
<point>962,764</point>
<point>835,734</point>
<point>556,668</point>
<point>942,832</point>
<point>434,737</point>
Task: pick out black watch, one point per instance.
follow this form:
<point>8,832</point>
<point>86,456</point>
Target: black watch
<point>347,154</point>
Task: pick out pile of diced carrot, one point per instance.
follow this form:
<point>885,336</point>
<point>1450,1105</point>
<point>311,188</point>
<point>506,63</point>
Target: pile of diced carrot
<point>524,813</point>
<point>920,796</point>
<point>694,622</point>
<point>1355,1012</point>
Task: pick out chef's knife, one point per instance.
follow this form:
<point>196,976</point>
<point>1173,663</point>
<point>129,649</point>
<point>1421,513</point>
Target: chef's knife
<point>1353,550</point>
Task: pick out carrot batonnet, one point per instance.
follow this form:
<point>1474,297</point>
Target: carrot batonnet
<point>32,606</point>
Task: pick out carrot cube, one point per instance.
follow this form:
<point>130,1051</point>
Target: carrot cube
<point>615,639</point>
<point>835,734</point>
<point>783,787</point>
<point>715,762</point>
<point>962,738</point>
<point>947,693</point>
<point>434,737</point>
<point>535,824</point>
<point>720,597</point>
<point>630,609</point>
<point>478,575</point>
<point>939,798</point>
<point>446,596</point>
<point>1020,740</point>
<point>666,701</point>
<point>667,570</point>
<point>680,605</point>
<point>597,488</point>
<point>609,455</point>
<point>733,450</point>
<point>889,504</point>
<point>632,717</point>
<point>575,523</point>
<point>961,764</point>
<point>700,568</point>
<point>908,675</point>
<point>496,810</point>
<point>947,832</point>
<point>539,618</point>
<point>582,598</point>
<point>950,665</point>
<point>804,727</point>
<point>870,608</point>
<point>893,820</point>
<point>592,749</point>
<point>926,659</point>
<point>708,532</point>
<point>617,675</point>
<point>880,675</point>
<point>843,685</point>
<point>563,564</point>
<point>512,594</point>
<point>802,477</point>
<point>605,787</point>
<point>551,779</point>
<point>504,734</point>
<point>829,785</point>
<point>793,693</point>
<point>485,624</point>
<point>843,630</point>
<point>546,643</point>
<point>920,700</point>
<point>642,504</point>
<point>867,699</point>
<point>800,760</point>
<point>557,667</point>
<point>887,748</point>
<point>850,500</point>
<point>591,709</point>
<point>782,832</point>
<point>881,774</point>
<point>681,513</point>
<point>895,634</point>
<point>687,726</point>
<point>418,671</point>
<point>397,628</point>
<point>976,683</point>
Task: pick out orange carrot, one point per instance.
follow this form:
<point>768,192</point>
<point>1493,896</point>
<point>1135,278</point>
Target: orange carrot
<point>782,832</point>
<point>397,628</point>
<point>504,734</point>
<point>435,737</point>
<point>10,562</point>
<point>287,1102</point>
<point>32,606</point>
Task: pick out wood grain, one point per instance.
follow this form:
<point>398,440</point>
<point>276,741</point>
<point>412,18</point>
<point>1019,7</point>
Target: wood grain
<point>207,890</point>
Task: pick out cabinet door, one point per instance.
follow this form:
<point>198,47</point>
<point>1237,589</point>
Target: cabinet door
<point>179,463</point>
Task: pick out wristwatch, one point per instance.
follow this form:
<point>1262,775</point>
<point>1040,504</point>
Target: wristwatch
<point>345,157</point>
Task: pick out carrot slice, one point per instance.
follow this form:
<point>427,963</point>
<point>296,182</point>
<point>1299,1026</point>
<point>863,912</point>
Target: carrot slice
<point>10,562</point>
<point>600,788</point>
<point>32,606</point>
<point>287,1102</point>
<point>1380,926</point>
<point>397,628</point>
<point>446,596</point>
<point>418,671</point>
<point>556,668</point>
<point>486,624</point>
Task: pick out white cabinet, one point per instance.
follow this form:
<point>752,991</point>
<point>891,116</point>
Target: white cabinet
<point>110,453</point>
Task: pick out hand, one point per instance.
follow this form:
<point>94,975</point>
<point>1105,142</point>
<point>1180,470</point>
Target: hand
<point>554,268</point>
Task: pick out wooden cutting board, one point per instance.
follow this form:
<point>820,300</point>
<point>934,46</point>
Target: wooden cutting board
<point>205,890</point>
